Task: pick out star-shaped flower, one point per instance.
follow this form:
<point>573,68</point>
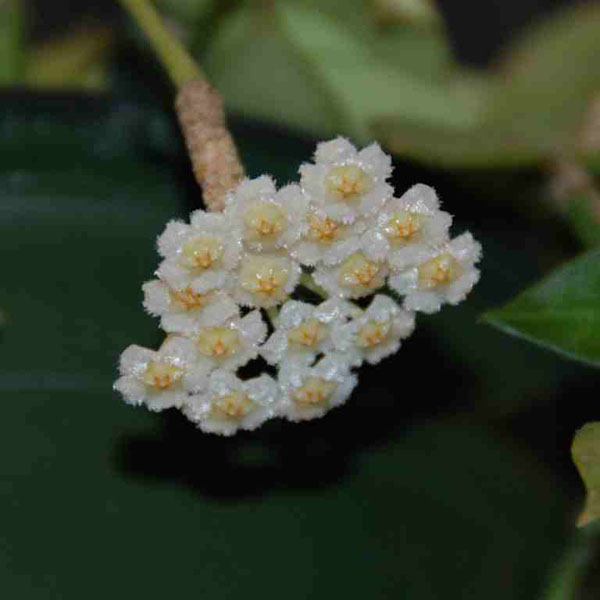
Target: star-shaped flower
<point>160,379</point>
<point>446,275</point>
<point>229,404</point>
<point>345,183</point>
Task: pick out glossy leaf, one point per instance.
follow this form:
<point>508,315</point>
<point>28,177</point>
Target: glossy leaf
<point>562,312</point>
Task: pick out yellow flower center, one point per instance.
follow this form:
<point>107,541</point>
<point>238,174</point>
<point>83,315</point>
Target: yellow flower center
<point>402,226</point>
<point>308,335</point>
<point>218,342</point>
<point>360,274</point>
<point>323,229</point>
<point>372,334</point>
<point>264,277</point>
<point>316,391</point>
<point>201,253</point>
<point>161,375</point>
<point>234,405</point>
<point>438,271</point>
<point>264,219</point>
<point>189,300</point>
<point>347,182</point>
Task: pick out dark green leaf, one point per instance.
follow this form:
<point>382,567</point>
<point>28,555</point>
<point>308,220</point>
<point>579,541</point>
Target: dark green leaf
<point>562,312</point>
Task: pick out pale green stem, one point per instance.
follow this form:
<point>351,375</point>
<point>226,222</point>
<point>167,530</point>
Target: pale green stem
<point>308,282</point>
<point>177,61</point>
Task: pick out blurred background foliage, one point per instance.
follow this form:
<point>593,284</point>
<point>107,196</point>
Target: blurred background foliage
<point>460,487</point>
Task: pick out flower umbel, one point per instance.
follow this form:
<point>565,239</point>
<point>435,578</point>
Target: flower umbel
<point>225,276</point>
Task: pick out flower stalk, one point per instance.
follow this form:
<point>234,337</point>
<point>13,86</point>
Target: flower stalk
<point>199,107</point>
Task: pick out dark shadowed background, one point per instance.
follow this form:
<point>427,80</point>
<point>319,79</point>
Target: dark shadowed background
<point>446,475</point>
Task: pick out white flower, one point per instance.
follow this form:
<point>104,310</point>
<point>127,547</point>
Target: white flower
<point>303,330</point>
<point>264,280</point>
<point>376,333</point>
<point>230,344</point>
<point>267,219</point>
<point>229,404</point>
<point>326,240</point>
<point>309,392</point>
<point>446,276</point>
<point>201,254</point>
<point>407,227</point>
<point>357,276</point>
<point>346,183</point>
<point>160,379</point>
<point>185,311</point>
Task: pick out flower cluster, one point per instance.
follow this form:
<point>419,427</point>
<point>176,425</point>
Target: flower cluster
<point>340,232</point>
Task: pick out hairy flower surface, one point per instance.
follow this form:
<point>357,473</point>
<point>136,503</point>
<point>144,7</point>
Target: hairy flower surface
<point>264,280</point>
<point>407,227</point>
<point>201,254</point>
<point>342,226</point>
<point>376,333</point>
<point>229,404</point>
<point>160,379</point>
<point>447,275</point>
<point>303,330</point>
<point>346,183</point>
<point>325,240</point>
<point>309,392</point>
<point>186,311</point>
<point>230,344</point>
<point>268,219</point>
<point>355,277</point>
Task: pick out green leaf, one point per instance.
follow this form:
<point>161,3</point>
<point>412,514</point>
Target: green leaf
<point>531,108</point>
<point>261,74</point>
<point>570,578</point>
<point>302,67</point>
<point>76,60</point>
<point>536,99</point>
<point>562,312</point>
<point>583,209</point>
<point>585,451</point>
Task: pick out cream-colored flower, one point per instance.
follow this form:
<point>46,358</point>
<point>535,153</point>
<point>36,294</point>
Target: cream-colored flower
<point>268,219</point>
<point>200,255</point>
<point>229,404</point>
<point>376,333</point>
<point>326,240</point>
<point>264,280</point>
<point>345,183</point>
<point>355,277</point>
<point>185,311</point>
<point>302,331</point>
<point>230,344</point>
<point>447,275</point>
<point>309,392</point>
<point>160,379</point>
<point>407,227</point>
